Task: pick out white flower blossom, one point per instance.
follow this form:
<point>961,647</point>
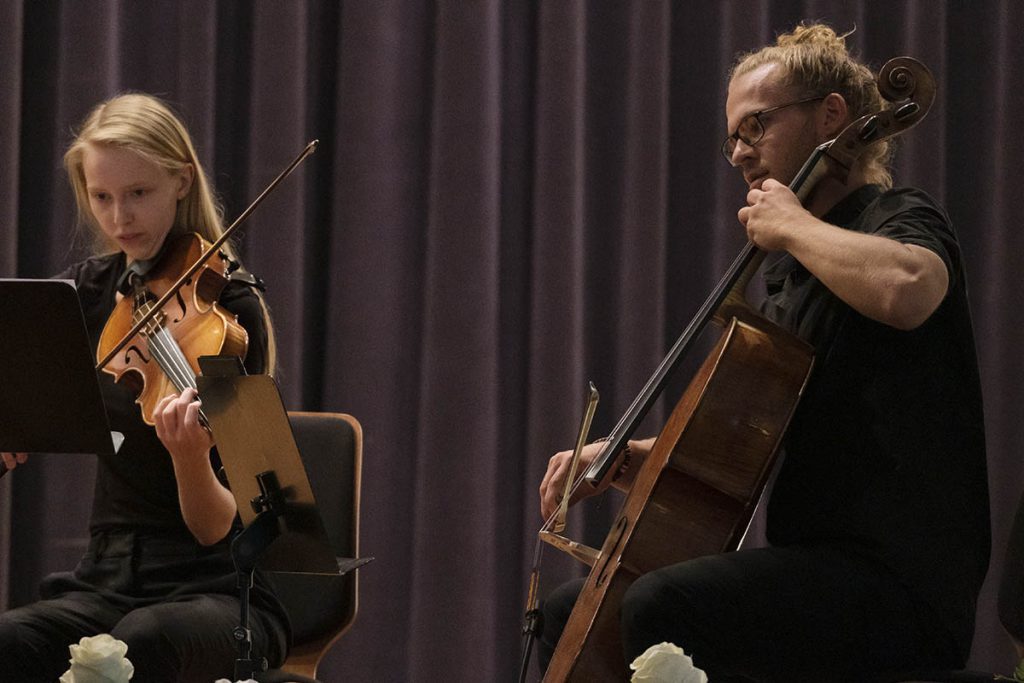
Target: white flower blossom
<point>666,663</point>
<point>98,659</point>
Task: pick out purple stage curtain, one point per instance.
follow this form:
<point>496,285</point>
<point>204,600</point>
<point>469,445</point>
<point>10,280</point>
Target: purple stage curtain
<point>509,199</point>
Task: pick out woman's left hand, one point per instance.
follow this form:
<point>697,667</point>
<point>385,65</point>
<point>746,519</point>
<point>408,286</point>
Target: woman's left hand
<point>176,419</point>
<point>206,506</point>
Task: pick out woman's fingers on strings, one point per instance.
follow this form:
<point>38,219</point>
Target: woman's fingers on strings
<point>161,405</point>
<point>12,460</point>
<point>178,407</point>
<point>192,413</point>
<point>192,422</point>
<point>164,415</point>
<point>187,406</point>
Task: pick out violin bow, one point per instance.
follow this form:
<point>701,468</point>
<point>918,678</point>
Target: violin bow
<point>213,249</point>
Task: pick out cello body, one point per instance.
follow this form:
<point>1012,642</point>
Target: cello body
<point>697,490</point>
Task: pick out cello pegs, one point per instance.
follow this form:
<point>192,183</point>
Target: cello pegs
<point>869,130</point>
<point>906,111</point>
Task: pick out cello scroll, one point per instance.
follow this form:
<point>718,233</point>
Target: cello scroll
<point>905,82</point>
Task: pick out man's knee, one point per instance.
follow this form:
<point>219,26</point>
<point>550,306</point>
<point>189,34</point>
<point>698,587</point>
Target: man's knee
<point>663,606</point>
<point>644,602</point>
<point>10,640</point>
<point>559,603</point>
<point>27,656</point>
<point>145,634</point>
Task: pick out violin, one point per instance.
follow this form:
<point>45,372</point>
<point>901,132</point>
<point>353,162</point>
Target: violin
<point>162,357</point>
<point>154,338</point>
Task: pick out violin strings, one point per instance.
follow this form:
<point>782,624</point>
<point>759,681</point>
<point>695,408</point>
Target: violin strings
<point>167,352</point>
<point>175,365</point>
<point>172,360</point>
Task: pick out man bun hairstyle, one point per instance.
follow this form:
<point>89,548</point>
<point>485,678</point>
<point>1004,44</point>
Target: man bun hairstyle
<point>815,61</point>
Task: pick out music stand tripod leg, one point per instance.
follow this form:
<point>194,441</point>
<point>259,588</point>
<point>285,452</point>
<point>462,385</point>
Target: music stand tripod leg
<point>246,549</point>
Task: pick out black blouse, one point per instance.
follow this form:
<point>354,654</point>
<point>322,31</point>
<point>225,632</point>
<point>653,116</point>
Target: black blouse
<point>136,487</point>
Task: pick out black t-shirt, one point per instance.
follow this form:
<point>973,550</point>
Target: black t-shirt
<point>136,487</point>
<point>886,451</point>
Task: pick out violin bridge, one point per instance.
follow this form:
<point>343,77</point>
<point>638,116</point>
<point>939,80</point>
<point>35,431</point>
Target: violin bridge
<point>583,553</point>
<point>141,309</point>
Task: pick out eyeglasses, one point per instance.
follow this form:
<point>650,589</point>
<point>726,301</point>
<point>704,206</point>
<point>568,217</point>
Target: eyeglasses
<point>751,128</point>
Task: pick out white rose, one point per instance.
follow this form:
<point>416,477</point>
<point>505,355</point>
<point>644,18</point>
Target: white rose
<point>666,663</point>
<point>99,659</point>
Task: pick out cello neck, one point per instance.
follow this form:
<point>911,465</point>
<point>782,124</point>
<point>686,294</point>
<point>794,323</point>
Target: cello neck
<point>725,301</point>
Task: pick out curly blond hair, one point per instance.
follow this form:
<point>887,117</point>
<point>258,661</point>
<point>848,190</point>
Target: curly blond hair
<point>815,61</point>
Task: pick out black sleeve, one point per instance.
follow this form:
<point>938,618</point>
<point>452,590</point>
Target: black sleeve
<point>918,219</point>
<point>241,300</point>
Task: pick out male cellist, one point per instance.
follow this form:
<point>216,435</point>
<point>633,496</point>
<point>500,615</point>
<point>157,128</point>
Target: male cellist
<point>878,521</point>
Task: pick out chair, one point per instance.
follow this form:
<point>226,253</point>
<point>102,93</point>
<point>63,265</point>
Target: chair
<point>322,608</point>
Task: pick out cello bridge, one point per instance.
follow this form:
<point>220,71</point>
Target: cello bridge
<point>579,551</point>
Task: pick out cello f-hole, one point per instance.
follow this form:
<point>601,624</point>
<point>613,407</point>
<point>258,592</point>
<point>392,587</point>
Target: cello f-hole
<point>618,533</point>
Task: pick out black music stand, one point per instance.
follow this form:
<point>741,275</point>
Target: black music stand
<point>283,529</point>
<point>50,398</point>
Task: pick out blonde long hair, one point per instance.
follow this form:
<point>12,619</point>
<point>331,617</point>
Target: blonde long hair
<point>145,125</point>
<point>815,61</point>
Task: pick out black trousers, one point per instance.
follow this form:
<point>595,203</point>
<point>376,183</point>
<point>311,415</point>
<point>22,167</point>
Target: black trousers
<point>135,590</point>
<point>774,614</point>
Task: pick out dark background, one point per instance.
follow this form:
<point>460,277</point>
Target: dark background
<point>509,199</point>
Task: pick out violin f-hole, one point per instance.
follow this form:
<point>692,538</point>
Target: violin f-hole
<point>139,352</point>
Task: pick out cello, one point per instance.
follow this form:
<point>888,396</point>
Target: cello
<point>698,488</point>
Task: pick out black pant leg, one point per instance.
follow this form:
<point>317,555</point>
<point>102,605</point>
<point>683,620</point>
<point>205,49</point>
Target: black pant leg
<point>556,610</point>
<point>34,639</point>
<point>773,614</point>
<point>191,638</point>
<point>784,614</point>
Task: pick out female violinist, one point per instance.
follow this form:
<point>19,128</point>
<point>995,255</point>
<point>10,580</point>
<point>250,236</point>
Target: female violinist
<point>157,573</point>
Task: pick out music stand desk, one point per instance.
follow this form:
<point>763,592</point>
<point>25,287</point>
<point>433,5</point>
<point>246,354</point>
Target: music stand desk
<point>50,399</point>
